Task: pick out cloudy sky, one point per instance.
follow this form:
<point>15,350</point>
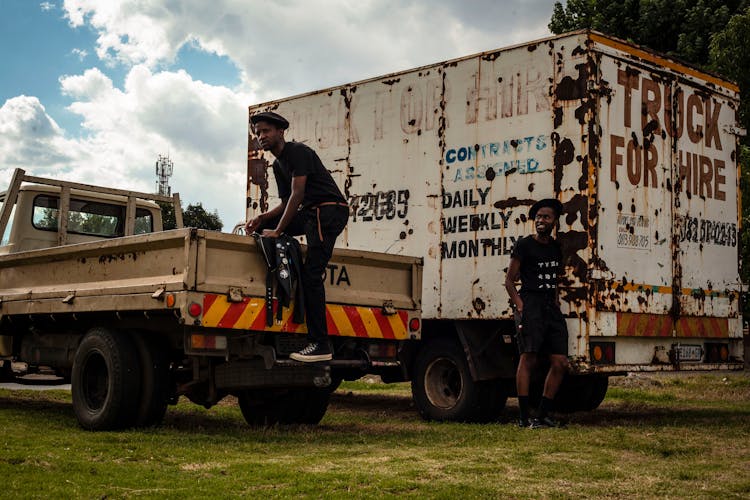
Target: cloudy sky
<point>93,91</point>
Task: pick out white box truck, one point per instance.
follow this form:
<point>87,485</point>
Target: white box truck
<point>445,160</point>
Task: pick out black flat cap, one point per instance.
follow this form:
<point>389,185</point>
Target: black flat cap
<point>547,202</point>
<point>270,117</point>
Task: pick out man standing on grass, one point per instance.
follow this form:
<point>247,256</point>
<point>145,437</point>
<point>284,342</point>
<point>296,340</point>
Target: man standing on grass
<point>541,329</point>
<point>311,204</point>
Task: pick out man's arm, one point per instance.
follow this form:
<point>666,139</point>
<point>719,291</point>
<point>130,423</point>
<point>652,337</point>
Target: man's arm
<point>292,205</point>
<point>253,224</point>
<point>514,271</point>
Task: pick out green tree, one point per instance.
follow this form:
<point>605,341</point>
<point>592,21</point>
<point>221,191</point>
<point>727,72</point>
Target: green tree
<point>167,215</point>
<point>197,216</point>
<point>681,28</point>
<point>193,216</point>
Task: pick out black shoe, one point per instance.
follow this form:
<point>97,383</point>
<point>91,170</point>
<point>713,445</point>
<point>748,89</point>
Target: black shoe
<point>544,422</point>
<point>523,423</point>
<point>315,351</point>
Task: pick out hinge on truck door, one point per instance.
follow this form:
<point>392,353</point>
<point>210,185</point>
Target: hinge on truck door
<point>738,131</point>
<point>388,309</point>
<point>234,294</point>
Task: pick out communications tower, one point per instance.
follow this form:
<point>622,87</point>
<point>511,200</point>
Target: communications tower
<point>164,167</point>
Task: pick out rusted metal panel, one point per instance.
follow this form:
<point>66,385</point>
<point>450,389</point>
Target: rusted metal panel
<point>669,168</point>
<point>444,160</point>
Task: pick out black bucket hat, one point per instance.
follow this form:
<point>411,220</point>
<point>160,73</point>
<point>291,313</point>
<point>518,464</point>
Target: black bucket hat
<point>270,117</point>
<point>547,202</point>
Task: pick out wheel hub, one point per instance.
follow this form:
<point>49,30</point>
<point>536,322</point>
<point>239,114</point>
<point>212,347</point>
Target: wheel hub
<point>443,384</point>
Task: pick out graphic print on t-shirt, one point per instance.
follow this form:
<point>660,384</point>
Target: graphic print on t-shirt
<point>540,264</point>
<point>547,274</point>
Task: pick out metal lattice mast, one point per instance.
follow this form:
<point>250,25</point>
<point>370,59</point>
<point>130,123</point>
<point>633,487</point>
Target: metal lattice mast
<point>164,168</point>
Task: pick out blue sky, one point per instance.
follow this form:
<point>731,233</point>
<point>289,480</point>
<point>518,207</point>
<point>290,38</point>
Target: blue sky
<point>92,91</point>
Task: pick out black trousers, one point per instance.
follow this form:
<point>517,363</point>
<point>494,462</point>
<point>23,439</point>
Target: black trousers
<point>321,226</point>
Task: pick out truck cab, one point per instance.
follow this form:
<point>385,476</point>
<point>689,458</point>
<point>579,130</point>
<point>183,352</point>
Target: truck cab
<point>34,219</point>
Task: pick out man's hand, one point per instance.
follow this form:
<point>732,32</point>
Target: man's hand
<point>253,224</point>
<point>271,233</point>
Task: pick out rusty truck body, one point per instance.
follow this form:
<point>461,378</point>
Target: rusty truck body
<point>135,317</point>
<point>445,160</point>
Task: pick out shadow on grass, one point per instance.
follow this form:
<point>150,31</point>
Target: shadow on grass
<point>376,413</point>
<point>373,402</point>
<point>659,416</point>
<point>36,404</point>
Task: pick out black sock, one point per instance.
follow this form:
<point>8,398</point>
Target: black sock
<point>544,407</point>
<point>523,407</point>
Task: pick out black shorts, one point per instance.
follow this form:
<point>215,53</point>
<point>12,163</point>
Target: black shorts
<point>541,328</point>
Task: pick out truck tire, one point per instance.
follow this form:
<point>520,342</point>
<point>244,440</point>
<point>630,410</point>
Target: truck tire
<point>581,393</point>
<point>492,399</point>
<point>155,388</point>
<point>264,408</point>
<point>306,406</point>
<point>259,407</point>
<point>599,386</point>
<point>6,372</point>
<point>443,389</point>
<point>105,381</point>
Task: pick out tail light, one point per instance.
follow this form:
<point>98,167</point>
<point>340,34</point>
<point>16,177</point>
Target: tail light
<point>716,352</point>
<point>195,309</point>
<point>414,324</point>
<point>602,353</point>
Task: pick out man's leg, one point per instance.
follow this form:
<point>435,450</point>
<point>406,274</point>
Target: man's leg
<point>526,366</point>
<point>558,367</point>
<point>557,345</point>
<point>319,252</point>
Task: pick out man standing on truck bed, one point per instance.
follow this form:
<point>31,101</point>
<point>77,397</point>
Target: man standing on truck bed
<point>541,329</point>
<point>312,204</point>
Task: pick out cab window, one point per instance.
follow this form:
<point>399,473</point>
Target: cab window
<point>5,240</point>
<point>92,218</point>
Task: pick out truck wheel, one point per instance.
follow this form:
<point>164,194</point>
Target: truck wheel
<point>261,408</point>
<point>6,371</point>
<point>154,380</point>
<point>306,406</point>
<point>581,393</point>
<point>264,408</point>
<point>442,386</point>
<point>492,399</point>
<point>599,386</point>
<point>105,381</point>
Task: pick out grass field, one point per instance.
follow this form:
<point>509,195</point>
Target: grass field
<point>654,436</point>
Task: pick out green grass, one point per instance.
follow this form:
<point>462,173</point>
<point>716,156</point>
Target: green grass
<point>655,435</point>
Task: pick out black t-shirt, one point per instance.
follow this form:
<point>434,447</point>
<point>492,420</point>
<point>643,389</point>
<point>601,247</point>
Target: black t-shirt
<point>541,263</point>
<point>298,159</point>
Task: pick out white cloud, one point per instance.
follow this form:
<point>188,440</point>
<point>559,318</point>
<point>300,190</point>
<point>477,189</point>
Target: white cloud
<point>81,54</point>
<point>281,48</point>
<point>301,45</point>
<point>46,6</point>
<point>201,127</point>
<point>29,137</point>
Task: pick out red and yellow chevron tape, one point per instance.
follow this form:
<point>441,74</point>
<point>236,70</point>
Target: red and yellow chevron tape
<point>661,325</point>
<point>342,320</point>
